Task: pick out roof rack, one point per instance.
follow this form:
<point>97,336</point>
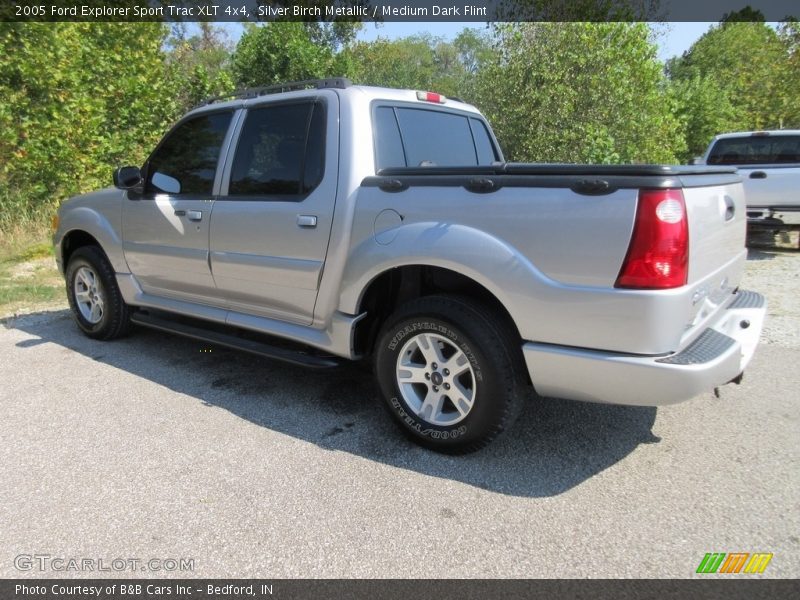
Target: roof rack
<point>308,84</point>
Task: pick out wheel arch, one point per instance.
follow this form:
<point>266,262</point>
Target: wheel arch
<point>74,239</point>
<point>84,225</point>
<point>397,285</point>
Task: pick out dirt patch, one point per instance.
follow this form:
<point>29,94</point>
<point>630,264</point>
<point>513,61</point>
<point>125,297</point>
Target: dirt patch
<point>44,268</point>
<point>30,285</point>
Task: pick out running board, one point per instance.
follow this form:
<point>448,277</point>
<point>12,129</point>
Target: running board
<point>295,357</point>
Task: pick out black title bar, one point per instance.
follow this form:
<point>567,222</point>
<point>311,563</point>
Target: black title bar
<point>376,11</point>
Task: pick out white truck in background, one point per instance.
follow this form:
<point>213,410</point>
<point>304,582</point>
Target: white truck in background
<point>769,163</point>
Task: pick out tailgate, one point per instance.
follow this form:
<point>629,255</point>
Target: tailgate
<point>717,227</point>
<point>717,230</point>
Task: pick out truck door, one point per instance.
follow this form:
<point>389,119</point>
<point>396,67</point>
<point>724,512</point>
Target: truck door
<point>272,221</point>
<point>165,228</point>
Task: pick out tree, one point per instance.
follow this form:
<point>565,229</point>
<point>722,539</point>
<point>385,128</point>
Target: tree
<point>704,110</point>
<point>474,49</point>
<point>579,92</point>
<point>285,51</point>
<point>748,66</point>
<point>199,63</point>
<point>421,62</point>
<point>335,35</point>
<point>76,99</point>
<point>788,98</point>
<point>403,63</point>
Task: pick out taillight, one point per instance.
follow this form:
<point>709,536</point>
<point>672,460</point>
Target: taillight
<point>431,97</point>
<point>658,255</point>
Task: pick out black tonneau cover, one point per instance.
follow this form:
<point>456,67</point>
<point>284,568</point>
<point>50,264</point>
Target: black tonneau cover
<point>592,180</point>
<point>563,169</point>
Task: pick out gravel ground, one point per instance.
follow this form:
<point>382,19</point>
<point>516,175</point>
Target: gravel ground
<point>775,274</point>
<point>154,447</point>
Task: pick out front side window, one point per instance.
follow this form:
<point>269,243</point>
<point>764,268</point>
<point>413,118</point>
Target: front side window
<point>281,151</point>
<point>412,137</point>
<point>186,162</point>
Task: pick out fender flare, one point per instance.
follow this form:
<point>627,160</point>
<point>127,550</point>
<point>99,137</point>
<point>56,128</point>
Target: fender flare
<point>465,250</point>
<point>90,221</point>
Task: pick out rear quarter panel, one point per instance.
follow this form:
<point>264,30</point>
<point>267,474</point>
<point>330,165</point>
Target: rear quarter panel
<point>552,256</point>
<point>550,259</point>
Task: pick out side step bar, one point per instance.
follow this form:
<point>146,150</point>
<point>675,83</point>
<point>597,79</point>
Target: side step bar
<point>295,357</point>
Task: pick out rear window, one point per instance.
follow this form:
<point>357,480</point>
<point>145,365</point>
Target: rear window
<point>412,137</point>
<point>756,150</point>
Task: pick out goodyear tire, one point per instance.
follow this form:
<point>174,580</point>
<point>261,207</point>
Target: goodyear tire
<point>450,372</point>
<point>94,297</point>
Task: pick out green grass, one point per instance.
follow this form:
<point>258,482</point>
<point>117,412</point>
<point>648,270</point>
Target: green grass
<point>28,293</point>
<point>29,279</point>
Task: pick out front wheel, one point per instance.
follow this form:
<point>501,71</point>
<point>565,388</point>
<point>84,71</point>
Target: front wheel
<point>94,296</point>
<point>451,373</point>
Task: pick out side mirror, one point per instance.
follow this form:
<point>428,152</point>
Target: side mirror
<point>697,160</point>
<point>127,178</point>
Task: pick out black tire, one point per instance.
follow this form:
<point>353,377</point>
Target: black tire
<point>496,370</point>
<point>114,315</point>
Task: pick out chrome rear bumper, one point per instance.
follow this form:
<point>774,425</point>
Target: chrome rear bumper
<point>717,356</point>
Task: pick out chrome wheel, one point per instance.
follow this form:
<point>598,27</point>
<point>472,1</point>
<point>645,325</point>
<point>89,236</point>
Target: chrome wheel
<point>88,295</point>
<point>436,379</point>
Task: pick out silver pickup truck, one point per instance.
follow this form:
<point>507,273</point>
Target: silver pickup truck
<point>322,221</point>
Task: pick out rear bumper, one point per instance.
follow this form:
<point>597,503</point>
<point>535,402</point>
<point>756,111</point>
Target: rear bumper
<point>714,358</point>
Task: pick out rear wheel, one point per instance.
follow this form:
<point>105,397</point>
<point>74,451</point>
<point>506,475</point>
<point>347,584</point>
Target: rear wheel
<point>450,372</point>
<point>94,296</point>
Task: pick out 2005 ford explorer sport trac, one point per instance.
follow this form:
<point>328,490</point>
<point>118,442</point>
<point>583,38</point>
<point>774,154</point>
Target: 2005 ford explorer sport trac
<point>321,221</point>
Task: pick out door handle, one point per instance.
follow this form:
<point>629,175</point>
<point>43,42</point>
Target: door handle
<point>758,175</point>
<point>180,213</point>
<point>309,221</point>
<point>195,215</point>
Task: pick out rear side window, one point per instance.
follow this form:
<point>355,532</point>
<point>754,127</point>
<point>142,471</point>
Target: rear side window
<point>756,150</point>
<point>483,143</point>
<point>186,162</point>
<point>388,144</point>
<point>280,151</point>
<point>412,137</point>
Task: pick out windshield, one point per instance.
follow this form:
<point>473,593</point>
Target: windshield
<point>756,150</point>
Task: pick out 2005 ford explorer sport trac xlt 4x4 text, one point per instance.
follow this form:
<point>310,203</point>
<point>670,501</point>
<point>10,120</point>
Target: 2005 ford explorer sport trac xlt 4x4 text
<point>321,221</point>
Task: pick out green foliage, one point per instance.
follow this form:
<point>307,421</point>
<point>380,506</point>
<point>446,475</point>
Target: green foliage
<point>421,62</point>
<point>335,35</point>
<point>788,97</point>
<point>737,76</point>
<point>77,99</point>
<point>578,92</point>
<point>403,63</point>
<point>199,65</point>
<point>280,52</point>
<point>705,110</point>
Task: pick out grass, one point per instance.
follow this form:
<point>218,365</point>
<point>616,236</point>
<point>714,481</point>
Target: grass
<point>29,279</point>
